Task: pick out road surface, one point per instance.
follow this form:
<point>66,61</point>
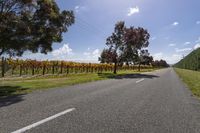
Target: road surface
<point>156,102</point>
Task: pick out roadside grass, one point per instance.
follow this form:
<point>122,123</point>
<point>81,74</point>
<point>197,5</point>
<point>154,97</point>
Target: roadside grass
<point>191,78</point>
<point>16,86</point>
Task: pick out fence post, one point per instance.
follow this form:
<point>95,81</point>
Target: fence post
<point>44,69</point>
<point>61,67</point>
<point>20,71</point>
<point>2,67</point>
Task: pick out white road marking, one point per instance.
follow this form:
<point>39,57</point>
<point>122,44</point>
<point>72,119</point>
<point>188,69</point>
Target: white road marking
<point>22,130</point>
<point>139,80</point>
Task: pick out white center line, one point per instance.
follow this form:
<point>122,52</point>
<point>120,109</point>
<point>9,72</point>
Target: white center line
<point>22,130</point>
<point>139,80</point>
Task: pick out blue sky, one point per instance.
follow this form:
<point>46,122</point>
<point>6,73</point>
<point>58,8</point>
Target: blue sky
<point>174,26</point>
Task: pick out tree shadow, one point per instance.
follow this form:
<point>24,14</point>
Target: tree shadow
<point>9,96</point>
<point>126,76</point>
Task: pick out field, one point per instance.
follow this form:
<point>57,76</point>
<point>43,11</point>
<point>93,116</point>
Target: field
<point>191,78</point>
<point>20,85</point>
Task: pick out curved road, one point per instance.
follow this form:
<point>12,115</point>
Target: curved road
<point>156,102</point>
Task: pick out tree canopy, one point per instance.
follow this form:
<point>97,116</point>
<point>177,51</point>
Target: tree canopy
<point>126,45</point>
<point>31,25</point>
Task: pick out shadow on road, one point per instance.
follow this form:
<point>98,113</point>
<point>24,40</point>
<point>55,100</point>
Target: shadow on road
<point>127,76</point>
<point>8,95</point>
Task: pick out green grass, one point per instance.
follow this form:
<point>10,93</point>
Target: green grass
<point>191,78</point>
<point>15,86</point>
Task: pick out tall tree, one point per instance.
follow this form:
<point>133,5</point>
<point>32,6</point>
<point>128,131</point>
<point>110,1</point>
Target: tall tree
<point>126,44</point>
<point>107,56</point>
<point>115,43</point>
<point>31,25</point>
<point>144,58</point>
<point>136,39</point>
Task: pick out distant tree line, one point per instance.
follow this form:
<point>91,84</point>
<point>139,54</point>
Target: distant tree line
<point>191,61</point>
<point>159,63</point>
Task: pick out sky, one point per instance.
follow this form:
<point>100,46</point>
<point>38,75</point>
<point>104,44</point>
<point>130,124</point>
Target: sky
<point>174,26</point>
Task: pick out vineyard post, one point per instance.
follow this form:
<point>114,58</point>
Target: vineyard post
<point>53,68</point>
<point>20,70</point>
<point>33,70</point>
<point>61,67</point>
<point>2,67</point>
<point>67,69</point>
<point>44,68</point>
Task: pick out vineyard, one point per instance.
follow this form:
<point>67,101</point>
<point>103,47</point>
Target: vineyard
<point>191,62</point>
<point>10,67</point>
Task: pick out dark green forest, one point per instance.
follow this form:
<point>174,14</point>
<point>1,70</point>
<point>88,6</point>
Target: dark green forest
<point>191,61</point>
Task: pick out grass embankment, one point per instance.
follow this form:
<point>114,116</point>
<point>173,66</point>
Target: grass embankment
<point>15,86</point>
<point>191,78</point>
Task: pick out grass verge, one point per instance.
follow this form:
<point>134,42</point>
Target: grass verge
<point>191,78</point>
<point>16,86</point>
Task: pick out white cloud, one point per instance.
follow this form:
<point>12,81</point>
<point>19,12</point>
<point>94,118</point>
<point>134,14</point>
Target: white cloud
<point>175,24</point>
<point>79,8</point>
<point>172,45</point>
<point>183,50</point>
<point>92,54</point>
<point>173,58</point>
<point>133,10</point>
<point>158,56</point>
<point>197,46</point>
<point>187,43</point>
<point>87,53</point>
<point>170,59</point>
<point>66,53</point>
<point>198,22</point>
<point>76,8</point>
<point>62,51</point>
<point>96,53</point>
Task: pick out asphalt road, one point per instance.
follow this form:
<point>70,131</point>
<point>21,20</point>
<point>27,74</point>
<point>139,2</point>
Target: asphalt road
<point>156,102</point>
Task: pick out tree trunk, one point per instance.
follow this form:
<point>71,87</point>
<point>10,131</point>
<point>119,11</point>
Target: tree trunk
<point>53,69</point>
<point>115,68</point>
<point>139,67</point>
<point>61,68</point>
<point>44,69</point>
<point>2,67</point>
<point>67,69</point>
<point>20,70</point>
<point>33,70</point>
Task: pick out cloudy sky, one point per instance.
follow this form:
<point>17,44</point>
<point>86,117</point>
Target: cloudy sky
<point>174,26</point>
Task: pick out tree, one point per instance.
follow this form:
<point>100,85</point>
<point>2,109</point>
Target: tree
<point>144,58</point>
<point>136,39</point>
<point>126,45</point>
<point>31,25</point>
<point>115,43</point>
<point>161,63</point>
<point>107,56</point>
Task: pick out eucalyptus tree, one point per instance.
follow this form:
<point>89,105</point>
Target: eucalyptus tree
<point>125,45</point>
<point>136,40</point>
<point>115,43</point>
<point>31,25</point>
